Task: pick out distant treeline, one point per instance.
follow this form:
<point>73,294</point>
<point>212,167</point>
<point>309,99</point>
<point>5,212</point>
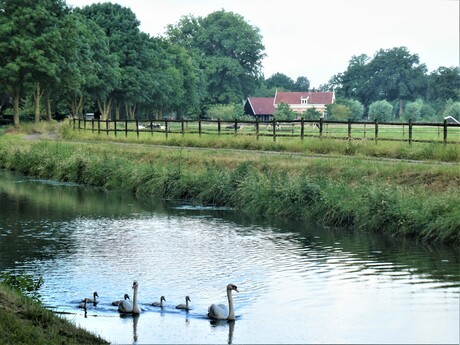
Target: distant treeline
<point>55,59</point>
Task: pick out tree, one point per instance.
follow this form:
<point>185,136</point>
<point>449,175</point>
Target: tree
<point>301,84</point>
<point>340,112</point>
<point>280,81</point>
<point>381,111</point>
<point>393,75</point>
<point>311,114</point>
<point>453,109</point>
<point>284,112</point>
<point>397,75</point>
<point>28,43</point>
<point>229,51</point>
<point>128,45</point>
<point>413,110</point>
<point>354,82</point>
<point>444,84</point>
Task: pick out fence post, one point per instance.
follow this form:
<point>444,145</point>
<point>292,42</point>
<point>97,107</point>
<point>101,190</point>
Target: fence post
<point>166,129</point>
<point>321,126</point>
<point>257,128</point>
<point>74,123</point>
<point>126,128</point>
<point>84,123</point>
<point>274,129</point>
<point>182,127</point>
<point>302,128</point>
<point>236,126</point>
<point>115,127</point>
<point>79,124</point>
<point>92,125</point>
<point>376,131</point>
<point>349,129</point>
<point>365,130</point>
<point>199,128</point>
<point>151,128</point>
<point>445,131</point>
<point>99,126</point>
<point>107,126</point>
<point>410,131</point>
<point>137,128</point>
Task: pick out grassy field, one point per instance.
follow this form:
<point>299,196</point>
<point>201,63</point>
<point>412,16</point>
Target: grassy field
<point>310,145</point>
<point>348,188</point>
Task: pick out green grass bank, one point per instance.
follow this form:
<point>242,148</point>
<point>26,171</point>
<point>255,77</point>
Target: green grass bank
<point>399,198</point>
<point>25,321</point>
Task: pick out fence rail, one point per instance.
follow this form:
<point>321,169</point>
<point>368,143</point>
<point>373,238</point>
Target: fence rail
<point>447,133</point>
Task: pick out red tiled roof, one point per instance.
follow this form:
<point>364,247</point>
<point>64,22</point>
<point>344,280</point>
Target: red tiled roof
<point>262,105</point>
<point>313,97</point>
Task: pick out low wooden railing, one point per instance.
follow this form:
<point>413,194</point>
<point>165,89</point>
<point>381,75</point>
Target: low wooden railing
<point>447,133</point>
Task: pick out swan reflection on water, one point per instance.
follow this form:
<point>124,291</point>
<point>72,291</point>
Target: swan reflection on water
<point>223,323</point>
<point>135,321</point>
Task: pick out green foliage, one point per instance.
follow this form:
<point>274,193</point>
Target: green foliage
<point>453,109</point>
<point>413,110</point>
<point>228,49</point>
<point>284,112</point>
<point>226,112</point>
<point>380,111</point>
<point>24,283</point>
<point>340,112</point>
<point>392,74</point>
<point>311,114</point>
<point>444,84</point>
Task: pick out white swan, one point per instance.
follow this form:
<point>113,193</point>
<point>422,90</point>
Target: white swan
<point>127,307</point>
<point>184,306</point>
<point>125,297</point>
<point>221,311</point>
<point>159,304</point>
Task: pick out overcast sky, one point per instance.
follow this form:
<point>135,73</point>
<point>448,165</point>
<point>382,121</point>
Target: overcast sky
<point>317,38</point>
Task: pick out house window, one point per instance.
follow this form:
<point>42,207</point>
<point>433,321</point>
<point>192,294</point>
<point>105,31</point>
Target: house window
<point>304,101</point>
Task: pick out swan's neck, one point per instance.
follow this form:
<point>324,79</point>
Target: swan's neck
<point>231,311</point>
<point>135,306</point>
<point>186,303</point>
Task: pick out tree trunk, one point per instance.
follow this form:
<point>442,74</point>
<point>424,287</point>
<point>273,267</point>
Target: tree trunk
<point>130,111</point>
<point>105,108</point>
<point>401,110</point>
<point>76,106</point>
<point>37,96</point>
<point>16,98</point>
<point>117,111</point>
<point>48,108</point>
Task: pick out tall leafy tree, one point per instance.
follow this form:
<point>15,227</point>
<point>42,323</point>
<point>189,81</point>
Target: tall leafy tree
<point>89,71</point>
<point>229,51</point>
<point>395,74</point>
<point>281,81</point>
<point>392,74</point>
<point>28,47</point>
<point>444,84</point>
<point>302,84</point>
<point>126,42</point>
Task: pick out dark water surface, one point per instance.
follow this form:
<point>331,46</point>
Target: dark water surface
<point>298,282</point>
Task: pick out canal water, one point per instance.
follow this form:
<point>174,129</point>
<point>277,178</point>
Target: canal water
<point>297,282</point>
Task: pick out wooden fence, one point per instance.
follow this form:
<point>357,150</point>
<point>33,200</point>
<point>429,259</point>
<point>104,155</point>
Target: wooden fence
<point>447,133</point>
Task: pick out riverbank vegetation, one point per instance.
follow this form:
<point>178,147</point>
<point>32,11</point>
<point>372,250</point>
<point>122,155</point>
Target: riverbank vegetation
<point>399,198</point>
<point>23,320</point>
